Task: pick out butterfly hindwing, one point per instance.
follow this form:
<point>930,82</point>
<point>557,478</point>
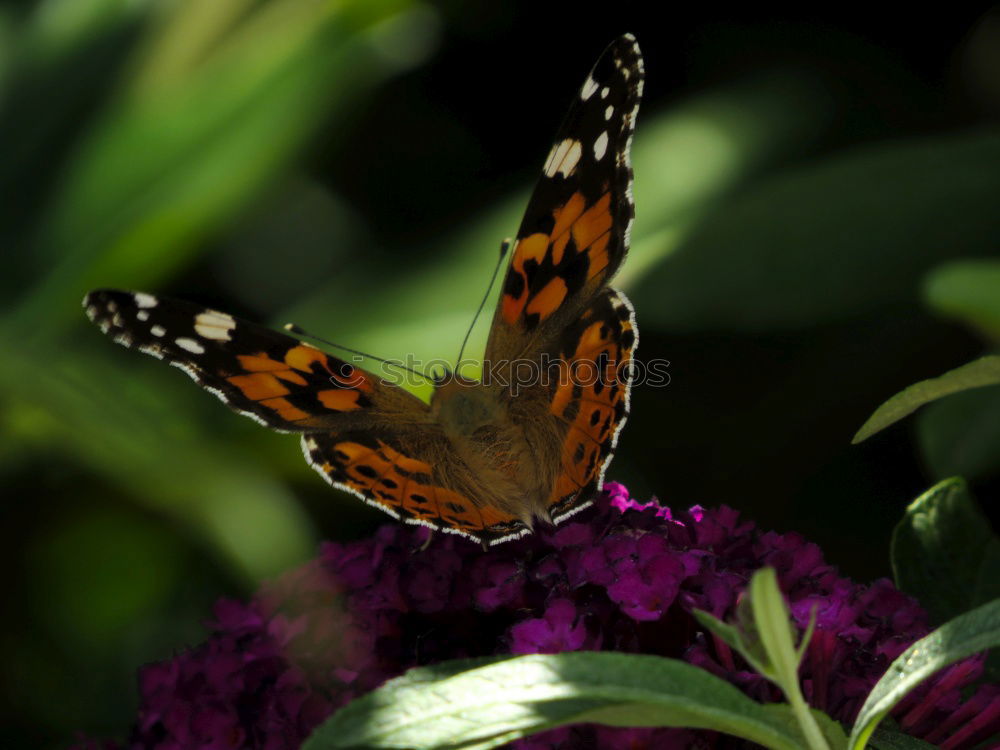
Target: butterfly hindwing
<point>406,473</point>
<point>590,400</point>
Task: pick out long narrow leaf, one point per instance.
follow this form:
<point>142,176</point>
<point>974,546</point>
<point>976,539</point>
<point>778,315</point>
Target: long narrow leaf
<point>976,374</point>
<point>513,697</point>
<point>961,637</point>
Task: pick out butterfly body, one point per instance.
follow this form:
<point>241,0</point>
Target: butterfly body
<point>531,439</point>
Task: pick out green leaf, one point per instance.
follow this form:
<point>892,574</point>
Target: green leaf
<point>515,696</point>
<point>804,641</point>
<point>960,435</point>
<point>885,739</point>
<point>765,637</point>
<point>976,374</point>
<point>773,626</point>
<point>945,553</point>
<point>851,233</point>
<point>963,636</point>
<point>777,639</point>
<point>832,731</point>
<point>725,632</point>
<point>969,291</point>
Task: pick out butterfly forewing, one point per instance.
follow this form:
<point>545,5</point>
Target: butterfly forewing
<point>275,379</point>
<point>575,231</point>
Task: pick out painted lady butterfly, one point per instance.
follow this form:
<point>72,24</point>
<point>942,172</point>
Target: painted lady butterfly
<point>483,459</point>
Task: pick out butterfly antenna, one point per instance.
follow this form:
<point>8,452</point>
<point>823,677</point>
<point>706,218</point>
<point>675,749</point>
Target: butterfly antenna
<point>504,247</point>
<point>292,328</point>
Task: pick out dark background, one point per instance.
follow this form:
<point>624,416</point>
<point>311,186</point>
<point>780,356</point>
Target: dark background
<point>798,176</point>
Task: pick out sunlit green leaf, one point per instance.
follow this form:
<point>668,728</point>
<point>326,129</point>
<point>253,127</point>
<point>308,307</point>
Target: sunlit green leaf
<point>977,374</point>
<point>489,705</point>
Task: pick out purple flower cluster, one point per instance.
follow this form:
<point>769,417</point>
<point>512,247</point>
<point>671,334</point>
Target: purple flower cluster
<point>623,576</point>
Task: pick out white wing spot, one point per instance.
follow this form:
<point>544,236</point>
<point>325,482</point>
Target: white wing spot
<point>214,325</point>
<point>145,300</point>
<point>157,330</point>
<point>608,112</point>
<point>601,145</point>
<point>555,156</point>
<point>589,87</point>
<point>564,157</point>
<point>153,350</point>
<point>604,92</point>
<point>143,315</point>
<point>190,345</point>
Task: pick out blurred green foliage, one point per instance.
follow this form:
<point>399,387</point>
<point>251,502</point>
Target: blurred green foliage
<point>968,291</point>
<point>353,165</point>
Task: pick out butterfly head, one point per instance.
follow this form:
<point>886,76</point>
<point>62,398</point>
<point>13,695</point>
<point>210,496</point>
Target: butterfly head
<point>447,381</point>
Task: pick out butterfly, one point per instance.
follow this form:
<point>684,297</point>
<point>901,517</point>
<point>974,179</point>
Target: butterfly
<point>485,458</point>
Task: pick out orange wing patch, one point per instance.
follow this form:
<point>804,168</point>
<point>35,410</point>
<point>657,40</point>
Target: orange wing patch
<point>271,382</point>
<point>340,400</point>
<point>400,484</point>
<point>547,268</point>
<point>548,299</point>
<point>259,386</point>
<point>286,409</point>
